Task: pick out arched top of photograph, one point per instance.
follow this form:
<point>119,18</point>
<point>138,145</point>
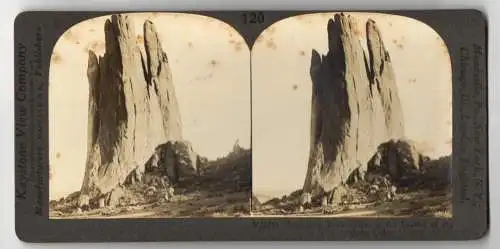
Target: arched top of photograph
<point>121,86</point>
<point>335,87</point>
<point>395,23</point>
<point>179,24</point>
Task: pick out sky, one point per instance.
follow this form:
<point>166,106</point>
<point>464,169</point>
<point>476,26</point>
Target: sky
<point>281,92</point>
<point>211,74</point>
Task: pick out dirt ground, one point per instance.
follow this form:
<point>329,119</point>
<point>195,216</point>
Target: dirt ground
<point>421,203</point>
<point>222,190</point>
<point>194,204</point>
<point>426,194</point>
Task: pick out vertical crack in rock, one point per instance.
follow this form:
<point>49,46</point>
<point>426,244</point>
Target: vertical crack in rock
<point>128,119</point>
<point>160,77</point>
<point>355,104</point>
<point>383,77</point>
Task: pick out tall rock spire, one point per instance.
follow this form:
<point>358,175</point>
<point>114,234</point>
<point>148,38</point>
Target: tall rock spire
<point>132,105</point>
<point>355,104</point>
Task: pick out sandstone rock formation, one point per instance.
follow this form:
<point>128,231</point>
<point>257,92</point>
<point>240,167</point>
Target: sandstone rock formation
<point>132,106</point>
<point>396,158</point>
<point>114,197</point>
<point>175,159</point>
<point>355,104</point>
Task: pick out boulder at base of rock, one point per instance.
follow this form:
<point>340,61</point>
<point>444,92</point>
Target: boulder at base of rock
<point>115,196</point>
<point>171,191</point>
<point>338,195</point>
<point>78,211</point>
<point>102,202</point>
<point>301,209</point>
<point>175,159</point>
<point>84,202</point>
<point>324,202</point>
<point>135,176</point>
<point>306,199</point>
<point>396,158</point>
<point>184,157</point>
<point>150,191</point>
<point>71,197</point>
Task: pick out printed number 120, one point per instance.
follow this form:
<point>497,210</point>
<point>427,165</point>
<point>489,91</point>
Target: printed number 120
<point>253,17</point>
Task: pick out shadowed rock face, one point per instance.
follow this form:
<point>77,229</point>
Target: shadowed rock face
<point>396,158</point>
<point>132,105</point>
<point>175,159</point>
<point>355,104</point>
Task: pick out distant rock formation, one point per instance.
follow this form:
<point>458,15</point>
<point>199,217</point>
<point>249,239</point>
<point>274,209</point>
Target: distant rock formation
<point>355,104</point>
<point>132,106</point>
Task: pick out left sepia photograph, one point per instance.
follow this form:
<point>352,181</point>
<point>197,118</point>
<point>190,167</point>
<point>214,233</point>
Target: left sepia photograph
<point>149,117</point>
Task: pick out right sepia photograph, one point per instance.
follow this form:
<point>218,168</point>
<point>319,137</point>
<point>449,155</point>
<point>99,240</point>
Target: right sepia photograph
<point>351,117</point>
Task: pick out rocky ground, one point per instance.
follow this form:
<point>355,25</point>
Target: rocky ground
<point>404,204</point>
<point>426,193</point>
<point>222,189</point>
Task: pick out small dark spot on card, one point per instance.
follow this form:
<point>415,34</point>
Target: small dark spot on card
<point>259,39</point>
<point>96,46</point>
<point>71,36</point>
<point>91,30</point>
<point>271,30</point>
<point>302,53</point>
<point>190,45</point>
<point>270,44</point>
<point>58,155</point>
<point>56,58</point>
<point>295,86</point>
<point>214,62</point>
<point>238,46</point>
<point>68,35</point>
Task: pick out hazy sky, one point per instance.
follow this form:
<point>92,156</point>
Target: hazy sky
<point>281,92</point>
<point>210,68</point>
